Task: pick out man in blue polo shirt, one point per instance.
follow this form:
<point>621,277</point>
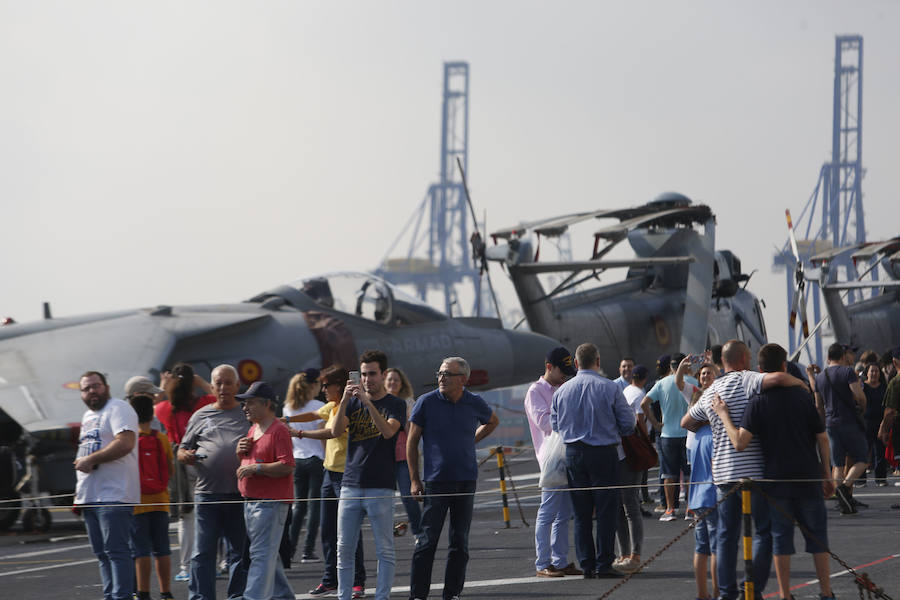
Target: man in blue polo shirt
<point>449,421</point>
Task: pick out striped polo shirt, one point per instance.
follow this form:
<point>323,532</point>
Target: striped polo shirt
<point>735,388</point>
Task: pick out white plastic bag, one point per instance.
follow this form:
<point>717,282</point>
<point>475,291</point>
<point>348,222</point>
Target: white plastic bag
<point>553,465</point>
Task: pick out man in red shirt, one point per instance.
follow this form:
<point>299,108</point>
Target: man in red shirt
<point>265,474</point>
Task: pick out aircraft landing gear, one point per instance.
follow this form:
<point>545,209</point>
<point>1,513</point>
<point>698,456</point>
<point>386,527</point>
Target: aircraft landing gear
<point>10,507</point>
<point>36,520</point>
<point>9,497</point>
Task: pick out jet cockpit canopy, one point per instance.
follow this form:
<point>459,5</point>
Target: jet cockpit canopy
<point>367,296</point>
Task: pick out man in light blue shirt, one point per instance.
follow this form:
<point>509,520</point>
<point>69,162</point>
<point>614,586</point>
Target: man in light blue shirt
<point>673,437</point>
<point>591,414</point>
<point>625,367</point>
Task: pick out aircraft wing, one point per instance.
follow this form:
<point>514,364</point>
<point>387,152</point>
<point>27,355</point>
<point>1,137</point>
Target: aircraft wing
<point>39,369</point>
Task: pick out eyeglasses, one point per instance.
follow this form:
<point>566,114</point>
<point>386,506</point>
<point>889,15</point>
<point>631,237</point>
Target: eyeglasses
<point>440,374</point>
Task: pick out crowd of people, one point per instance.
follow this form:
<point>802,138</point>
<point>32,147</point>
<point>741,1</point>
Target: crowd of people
<point>800,438</point>
<point>257,483</point>
<point>238,473</point>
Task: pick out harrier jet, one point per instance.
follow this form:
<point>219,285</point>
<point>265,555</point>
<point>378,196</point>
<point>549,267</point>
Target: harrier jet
<point>309,323</point>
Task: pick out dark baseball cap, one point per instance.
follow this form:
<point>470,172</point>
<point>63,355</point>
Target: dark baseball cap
<point>312,374</point>
<point>562,358</point>
<point>639,372</point>
<point>663,360</point>
<point>258,389</point>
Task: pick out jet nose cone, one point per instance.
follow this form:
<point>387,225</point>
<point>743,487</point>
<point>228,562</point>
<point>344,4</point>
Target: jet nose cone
<point>529,350</point>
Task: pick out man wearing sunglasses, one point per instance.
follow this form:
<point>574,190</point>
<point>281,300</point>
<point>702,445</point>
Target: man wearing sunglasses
<point>450,421</point>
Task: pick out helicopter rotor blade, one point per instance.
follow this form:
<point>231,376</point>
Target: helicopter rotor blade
<point>477,240</point>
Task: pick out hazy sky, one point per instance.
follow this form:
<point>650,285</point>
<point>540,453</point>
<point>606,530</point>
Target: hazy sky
<point>192,152</point>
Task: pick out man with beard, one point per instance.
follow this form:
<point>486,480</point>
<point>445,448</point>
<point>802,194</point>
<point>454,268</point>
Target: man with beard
<point>108,479</point>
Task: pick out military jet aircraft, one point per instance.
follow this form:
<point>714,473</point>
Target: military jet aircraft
<point>868,323</point>
<point>309,323</point>
<point>679,294</point>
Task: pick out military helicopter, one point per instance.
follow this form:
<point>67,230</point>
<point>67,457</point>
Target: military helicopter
<point>867,323</point>
<point>679,293</point>
<point>312,322</point>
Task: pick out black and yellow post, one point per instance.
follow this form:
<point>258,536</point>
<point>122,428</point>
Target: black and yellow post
<point>748,540</point>
<point>502,466</point>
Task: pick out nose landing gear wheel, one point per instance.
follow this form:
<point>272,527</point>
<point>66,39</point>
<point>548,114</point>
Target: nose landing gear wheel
<point>37,519</point>
<point>9,511</point>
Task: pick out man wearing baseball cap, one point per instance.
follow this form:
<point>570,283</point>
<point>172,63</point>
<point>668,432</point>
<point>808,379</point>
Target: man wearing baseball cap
<point>551,533</point>
<point>267,464</point>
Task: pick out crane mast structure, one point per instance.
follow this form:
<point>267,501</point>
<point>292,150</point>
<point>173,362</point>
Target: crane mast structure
<point>438,256</point>
<point>833,215</point>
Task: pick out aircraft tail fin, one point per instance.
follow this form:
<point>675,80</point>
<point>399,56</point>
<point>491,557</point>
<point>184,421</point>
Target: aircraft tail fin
<point>698,290</point>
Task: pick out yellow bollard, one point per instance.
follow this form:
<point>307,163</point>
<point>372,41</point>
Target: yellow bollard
<point>748,540</point>
<point>502,466</point>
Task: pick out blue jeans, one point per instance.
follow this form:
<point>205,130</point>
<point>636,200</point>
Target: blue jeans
<point>433,517</point>
<point>728,535</point>
<point>265,577</point>
<point>377,503</point>
<point>705,531</point>
<point>413,510</point>
<point>213,521</point>
<point>308,474</point>
<point>551,530</point>
<point>109,531</point>
<point>331,488</point>
<point>593,466</point>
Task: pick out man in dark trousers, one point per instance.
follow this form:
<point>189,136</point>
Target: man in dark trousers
<point>591,414</point>
<point>449,421</point>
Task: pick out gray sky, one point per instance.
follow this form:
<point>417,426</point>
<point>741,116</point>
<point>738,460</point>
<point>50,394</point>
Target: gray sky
<point>175,153</point>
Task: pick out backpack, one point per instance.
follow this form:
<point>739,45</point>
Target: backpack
<point>154,466</point>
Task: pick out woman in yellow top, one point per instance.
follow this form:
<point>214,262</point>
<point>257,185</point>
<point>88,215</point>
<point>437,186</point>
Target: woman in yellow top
<point>333,379</point>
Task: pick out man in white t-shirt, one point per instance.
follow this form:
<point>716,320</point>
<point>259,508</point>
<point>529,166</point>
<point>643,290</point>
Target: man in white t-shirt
<point>108,482</point>
<point>730,466</point>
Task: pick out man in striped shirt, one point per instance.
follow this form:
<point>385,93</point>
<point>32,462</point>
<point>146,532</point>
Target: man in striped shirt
<point>730,466</point>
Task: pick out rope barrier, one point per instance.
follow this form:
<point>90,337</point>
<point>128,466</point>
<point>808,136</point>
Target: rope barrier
<point>528,487</point>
